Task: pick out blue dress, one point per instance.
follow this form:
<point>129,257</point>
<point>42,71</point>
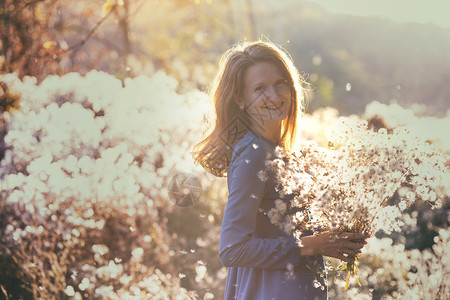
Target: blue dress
<point>256,252</point>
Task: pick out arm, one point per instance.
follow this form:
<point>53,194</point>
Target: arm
<point>238,245</point>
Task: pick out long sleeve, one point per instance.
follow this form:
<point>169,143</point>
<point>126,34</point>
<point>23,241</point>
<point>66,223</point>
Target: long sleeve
<point>239,246</point>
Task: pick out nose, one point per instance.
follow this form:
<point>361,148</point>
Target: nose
<point>271,93</point>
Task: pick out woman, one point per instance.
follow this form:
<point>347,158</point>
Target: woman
<point>257,96</point>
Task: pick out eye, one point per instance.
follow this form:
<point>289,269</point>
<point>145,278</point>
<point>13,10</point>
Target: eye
<point>282,82</point>
<point>259,88</point>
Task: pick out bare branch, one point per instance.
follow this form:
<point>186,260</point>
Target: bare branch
<point>81,43</point>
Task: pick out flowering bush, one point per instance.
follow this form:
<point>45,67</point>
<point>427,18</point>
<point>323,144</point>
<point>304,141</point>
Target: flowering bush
<point>85,210</point>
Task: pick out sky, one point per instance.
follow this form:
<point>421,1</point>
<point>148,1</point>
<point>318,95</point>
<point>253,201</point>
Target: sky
<point>416,11</point>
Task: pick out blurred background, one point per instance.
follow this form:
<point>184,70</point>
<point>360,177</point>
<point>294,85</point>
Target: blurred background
<point>136,73</point>
<point>385,50</point>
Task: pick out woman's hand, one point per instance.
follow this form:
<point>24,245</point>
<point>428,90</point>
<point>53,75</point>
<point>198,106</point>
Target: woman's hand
<point>344,246</point>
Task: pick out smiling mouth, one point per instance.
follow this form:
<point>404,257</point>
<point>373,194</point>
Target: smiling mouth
<point>273,107</point>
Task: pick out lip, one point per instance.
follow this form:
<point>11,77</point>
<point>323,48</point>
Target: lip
<point>273,107</point>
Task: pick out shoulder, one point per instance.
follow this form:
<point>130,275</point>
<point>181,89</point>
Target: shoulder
<point>252,150</point>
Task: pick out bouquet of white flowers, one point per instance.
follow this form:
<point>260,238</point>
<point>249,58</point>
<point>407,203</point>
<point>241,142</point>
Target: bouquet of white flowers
<point>361,183</point>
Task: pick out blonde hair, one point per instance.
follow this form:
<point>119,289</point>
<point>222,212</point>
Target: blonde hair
<point>214,152</point>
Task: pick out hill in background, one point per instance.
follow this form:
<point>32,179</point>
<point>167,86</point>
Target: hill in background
<point>353,60</point>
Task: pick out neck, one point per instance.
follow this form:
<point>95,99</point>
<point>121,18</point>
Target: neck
<point>272,132</point>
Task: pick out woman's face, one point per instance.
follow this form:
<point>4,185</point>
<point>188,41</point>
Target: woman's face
<point>266,94</point>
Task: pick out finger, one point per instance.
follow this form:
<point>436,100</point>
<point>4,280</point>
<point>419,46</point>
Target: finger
<point>354,235</point>
<point>344,243</point>
<point>333,237</point>
<point>360,241</point>
<point>350,245</point>
<point>348,252</point>
<point>339,254</point>
<point>342,257</point>
<point>352,252</point>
